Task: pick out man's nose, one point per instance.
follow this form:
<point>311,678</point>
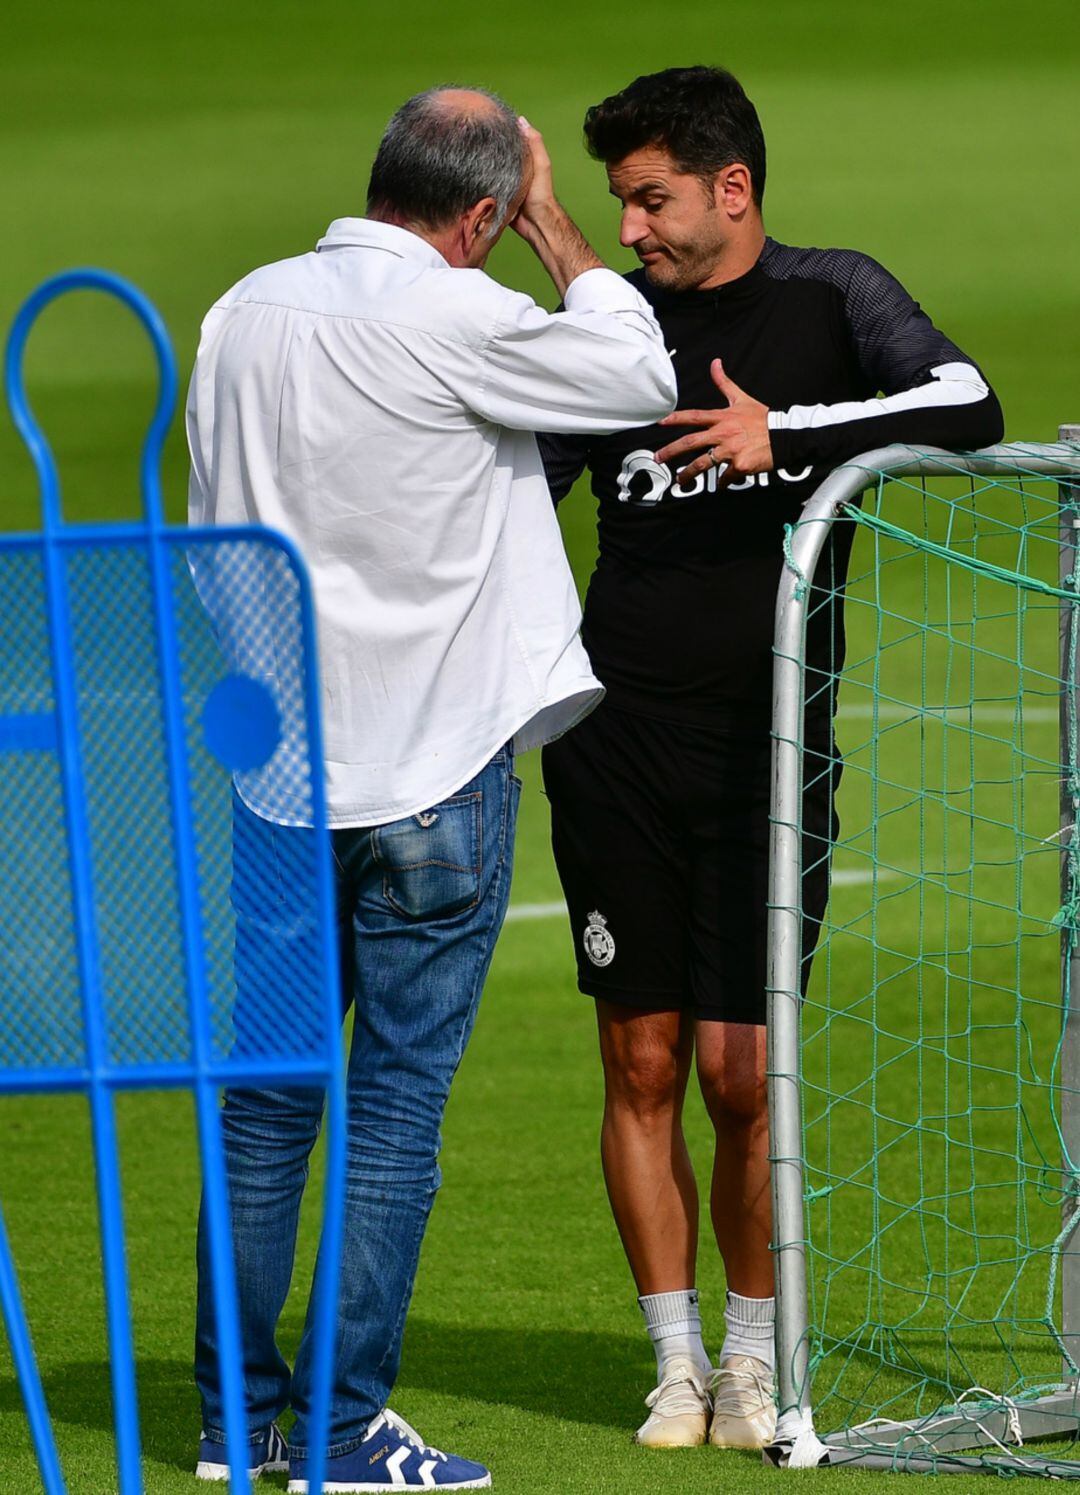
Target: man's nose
<point>632,228</point>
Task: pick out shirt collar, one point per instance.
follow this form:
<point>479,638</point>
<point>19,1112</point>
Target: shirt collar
<point>368,233</point>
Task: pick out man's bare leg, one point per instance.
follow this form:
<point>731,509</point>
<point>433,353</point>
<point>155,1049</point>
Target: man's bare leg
<point>647,1170</point>
<point>650,1183</point>
<point>731,1068</point>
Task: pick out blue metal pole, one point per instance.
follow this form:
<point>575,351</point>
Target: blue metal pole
<point>87,279</point>
<point>207,1113</point>
<point>117,1304</point>
<point>26,1371</point>
<point>102,1116</point>
<point>328,1277</point>
<point>327,1285</point>
<point>208,1116</point>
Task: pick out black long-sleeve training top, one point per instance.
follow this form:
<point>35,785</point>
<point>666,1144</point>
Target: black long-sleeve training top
<point>679,613</point>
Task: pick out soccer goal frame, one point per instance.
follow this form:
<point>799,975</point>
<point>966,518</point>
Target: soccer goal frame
<point>931,1444</point>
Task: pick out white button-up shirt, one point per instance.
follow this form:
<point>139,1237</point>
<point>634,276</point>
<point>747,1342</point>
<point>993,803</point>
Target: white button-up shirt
<point>377,406</point>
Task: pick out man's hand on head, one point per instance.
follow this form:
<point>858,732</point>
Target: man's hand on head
<point>544,223</point>
<point>737,436</point>
<point>538,186</point>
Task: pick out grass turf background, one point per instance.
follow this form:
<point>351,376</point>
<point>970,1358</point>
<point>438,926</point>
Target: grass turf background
<point>182,146</point>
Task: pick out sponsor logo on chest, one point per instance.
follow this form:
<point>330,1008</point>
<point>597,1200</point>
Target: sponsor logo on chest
<point>645,482</point>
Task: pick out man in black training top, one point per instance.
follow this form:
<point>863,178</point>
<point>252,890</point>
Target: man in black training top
<point>789,361</point>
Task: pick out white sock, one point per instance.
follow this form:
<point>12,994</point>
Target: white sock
<point>750,1328</point>
<point>674,1325</point>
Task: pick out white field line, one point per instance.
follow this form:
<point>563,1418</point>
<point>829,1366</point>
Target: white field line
<point>521,911</point>
<point>851,877</point>
<point>842,877</point>
<point>892,711</point>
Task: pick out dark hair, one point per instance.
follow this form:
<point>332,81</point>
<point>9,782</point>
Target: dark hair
<point>701,115</point>
<point>438,158</point>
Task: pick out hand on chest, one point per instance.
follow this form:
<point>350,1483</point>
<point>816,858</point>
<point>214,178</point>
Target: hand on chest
<point>762,358</point>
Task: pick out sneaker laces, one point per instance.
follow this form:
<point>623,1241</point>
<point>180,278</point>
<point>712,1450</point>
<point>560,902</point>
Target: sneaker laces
<point>730,1383</point>
<point>681,1392</point>
<point>388,1418</point>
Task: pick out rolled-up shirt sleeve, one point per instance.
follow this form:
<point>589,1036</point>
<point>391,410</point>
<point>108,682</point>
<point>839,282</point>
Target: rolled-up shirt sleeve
<point>597,366</point>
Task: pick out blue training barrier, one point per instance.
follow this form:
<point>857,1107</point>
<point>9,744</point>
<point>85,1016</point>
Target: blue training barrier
<point>158,689</point>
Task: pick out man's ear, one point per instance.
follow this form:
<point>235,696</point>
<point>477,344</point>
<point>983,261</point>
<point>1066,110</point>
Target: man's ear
<point>480,221</point>
<point>734,189</point>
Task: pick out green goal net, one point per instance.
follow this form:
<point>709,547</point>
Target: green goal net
<point>937,1324</point>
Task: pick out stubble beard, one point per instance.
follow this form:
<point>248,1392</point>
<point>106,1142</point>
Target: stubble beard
<point>683,274</point>
<point>694,263</point>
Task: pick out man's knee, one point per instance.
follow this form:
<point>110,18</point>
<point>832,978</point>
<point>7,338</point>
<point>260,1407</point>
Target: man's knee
<point>647,1085</point>
<point>733,1084</point>
<point>277,1118</point>
<point>742,1104</point>
<point>645,1063</point>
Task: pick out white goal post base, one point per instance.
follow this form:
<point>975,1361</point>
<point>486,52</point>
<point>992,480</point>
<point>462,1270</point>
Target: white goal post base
<point>934,1445</point>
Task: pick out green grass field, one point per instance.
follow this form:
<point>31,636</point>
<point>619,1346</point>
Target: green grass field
<point>183,146</point>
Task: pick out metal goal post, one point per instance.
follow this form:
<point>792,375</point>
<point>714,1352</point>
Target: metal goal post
<point>925,1196</point>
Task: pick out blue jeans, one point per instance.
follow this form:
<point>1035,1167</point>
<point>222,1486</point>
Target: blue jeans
<point>420,903</point>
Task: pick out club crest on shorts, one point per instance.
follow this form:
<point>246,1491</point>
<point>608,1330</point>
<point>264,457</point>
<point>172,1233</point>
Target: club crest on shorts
<point>599,945</point>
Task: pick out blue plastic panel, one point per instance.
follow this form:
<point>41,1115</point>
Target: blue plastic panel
<point>242,676</point>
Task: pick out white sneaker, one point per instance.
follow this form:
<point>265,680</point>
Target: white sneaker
<point>744,1405</point>
<point>678,1409</point>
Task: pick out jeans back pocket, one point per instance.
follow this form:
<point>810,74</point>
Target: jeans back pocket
<point>432,862</point>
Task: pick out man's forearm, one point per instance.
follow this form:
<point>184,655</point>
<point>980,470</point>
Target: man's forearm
<point>955,409</point>
<point>560,245</point>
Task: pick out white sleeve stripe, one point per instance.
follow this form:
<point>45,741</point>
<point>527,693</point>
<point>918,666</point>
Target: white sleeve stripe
<point>950,384</point>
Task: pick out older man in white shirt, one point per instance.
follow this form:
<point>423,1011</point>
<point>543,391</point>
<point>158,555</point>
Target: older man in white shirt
<point>375,400</point>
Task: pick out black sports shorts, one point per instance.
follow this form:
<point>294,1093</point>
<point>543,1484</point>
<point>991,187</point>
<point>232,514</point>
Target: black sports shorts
<point>661,837</point>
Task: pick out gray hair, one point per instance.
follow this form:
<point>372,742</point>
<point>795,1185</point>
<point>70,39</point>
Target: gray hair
<point>439,157</point>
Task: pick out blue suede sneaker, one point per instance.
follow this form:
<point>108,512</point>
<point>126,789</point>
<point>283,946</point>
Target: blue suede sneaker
<point>268,1453</point>
<point>392,1456</point>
